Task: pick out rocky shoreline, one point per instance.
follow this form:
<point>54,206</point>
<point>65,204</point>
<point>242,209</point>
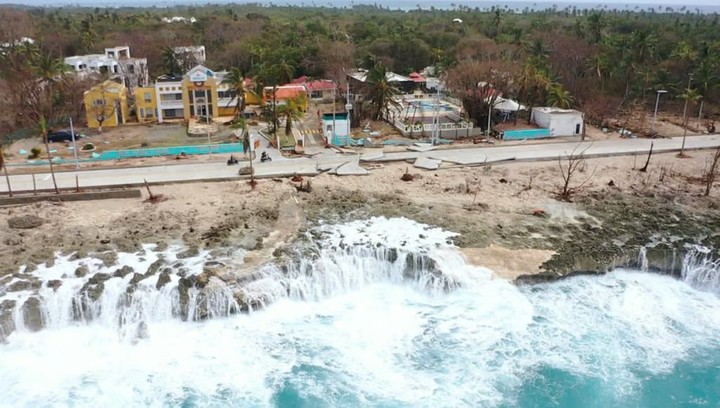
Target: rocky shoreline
<point>604,228</point>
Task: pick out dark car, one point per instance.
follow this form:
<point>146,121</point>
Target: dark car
<point>63,136</point>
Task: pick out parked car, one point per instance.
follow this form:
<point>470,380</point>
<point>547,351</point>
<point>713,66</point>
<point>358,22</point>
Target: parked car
<point>63,136</point>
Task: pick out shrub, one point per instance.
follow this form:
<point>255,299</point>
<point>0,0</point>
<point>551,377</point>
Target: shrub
<point>35,153</point>
<point>88,146</point>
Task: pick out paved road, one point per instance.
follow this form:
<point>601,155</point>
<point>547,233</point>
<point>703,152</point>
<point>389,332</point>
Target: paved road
<point>283,166</point>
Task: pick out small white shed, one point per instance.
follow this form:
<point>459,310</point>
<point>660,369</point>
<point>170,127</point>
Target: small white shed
<point>560,122</point>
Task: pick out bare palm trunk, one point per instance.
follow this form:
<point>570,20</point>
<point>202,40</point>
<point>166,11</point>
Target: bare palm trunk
<point>702,101</point>
<point>7,177</point>
<point>52,169</point>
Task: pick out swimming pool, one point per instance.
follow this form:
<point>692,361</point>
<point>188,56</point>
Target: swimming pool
<point>171,151</point>
<point>430,106</point>
<point>149,152</point>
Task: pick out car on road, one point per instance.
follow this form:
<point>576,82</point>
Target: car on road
<point>63,136</point>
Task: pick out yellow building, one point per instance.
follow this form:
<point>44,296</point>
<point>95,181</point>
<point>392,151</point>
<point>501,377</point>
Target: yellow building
<point>106,105</point>
<point>198,93</point>
<point>145,104</point>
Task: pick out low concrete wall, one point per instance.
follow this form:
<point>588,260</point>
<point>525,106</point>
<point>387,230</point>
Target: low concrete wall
<point>86,196</point>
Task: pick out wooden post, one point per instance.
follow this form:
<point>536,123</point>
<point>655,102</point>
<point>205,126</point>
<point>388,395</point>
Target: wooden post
<point>147,186</point>
<point>77,184</point>
<point>34,185</point>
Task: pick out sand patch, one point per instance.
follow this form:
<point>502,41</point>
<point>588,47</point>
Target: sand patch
<point>507,263</point>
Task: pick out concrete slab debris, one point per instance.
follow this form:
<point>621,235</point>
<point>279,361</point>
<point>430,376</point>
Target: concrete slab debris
<point>372,154</point>
<point>427,164</point>
<point>351,169</point>
<point>421,147</point>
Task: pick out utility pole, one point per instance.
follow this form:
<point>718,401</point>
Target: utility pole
<point>436,119</point>
<point>75,154</point>
<point>207,123</point>
<point>332,134</point>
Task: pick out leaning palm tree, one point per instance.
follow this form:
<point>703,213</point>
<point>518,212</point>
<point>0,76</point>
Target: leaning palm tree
<point>235,80</point>
<point>381,93</point>
<point>559,97</point>
<point>690,95</point>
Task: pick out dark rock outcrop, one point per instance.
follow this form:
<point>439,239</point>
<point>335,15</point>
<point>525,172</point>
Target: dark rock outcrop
<point>54,284</point>
<point>32,314</point>
<point>25,222</point>
<point>81,271</point>
<point>123,272</point>
<point>163,279</point>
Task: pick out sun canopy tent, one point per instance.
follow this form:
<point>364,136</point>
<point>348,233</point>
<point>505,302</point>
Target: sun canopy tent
<point>508,105</point>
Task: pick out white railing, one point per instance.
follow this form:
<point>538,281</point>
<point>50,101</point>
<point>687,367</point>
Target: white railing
<point>429,127</point>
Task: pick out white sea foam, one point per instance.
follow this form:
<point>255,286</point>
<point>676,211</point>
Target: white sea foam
<point>348,327</point>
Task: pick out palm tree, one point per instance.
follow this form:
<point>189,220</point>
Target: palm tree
<point>49,69</point>
<point>596,24</point>
<point>497,20</point>
<point>170,61</point>
<point>380,91</point>
<point>690,95</point>
<point>43,127</point>
<point>43,97</point>
<point>559,97</point>
<point>293,109</point>
<point>707,78</point>
<point>235,80</point>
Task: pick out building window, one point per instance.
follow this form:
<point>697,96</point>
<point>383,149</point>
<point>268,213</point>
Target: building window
<point>229,94</point>
<point>316,95</point>
<point>577,129</point>
<point>171,97</point>
<point>99,102</point>
<point>142,113</point>
<point>173,113</point>
<point>148,97</point>
<point>200,93</point>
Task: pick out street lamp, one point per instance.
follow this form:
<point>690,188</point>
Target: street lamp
<point>657,101</point>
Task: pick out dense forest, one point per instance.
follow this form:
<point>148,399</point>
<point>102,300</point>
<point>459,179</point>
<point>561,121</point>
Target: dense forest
<point>600,61</point>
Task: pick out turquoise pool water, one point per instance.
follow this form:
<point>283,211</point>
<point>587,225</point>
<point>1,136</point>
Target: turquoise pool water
<point>149,152</point>
<point>171,151</point>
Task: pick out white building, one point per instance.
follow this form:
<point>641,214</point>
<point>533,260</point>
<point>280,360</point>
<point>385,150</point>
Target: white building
<point>560,122</point>
<point>178,19</point>
<point>169,93</point>
<point>92,64</point>
<point>116,63</point>
<point>190,56</point>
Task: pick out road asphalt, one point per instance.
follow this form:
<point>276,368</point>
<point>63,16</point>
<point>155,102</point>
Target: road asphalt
<point>280,166</point>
